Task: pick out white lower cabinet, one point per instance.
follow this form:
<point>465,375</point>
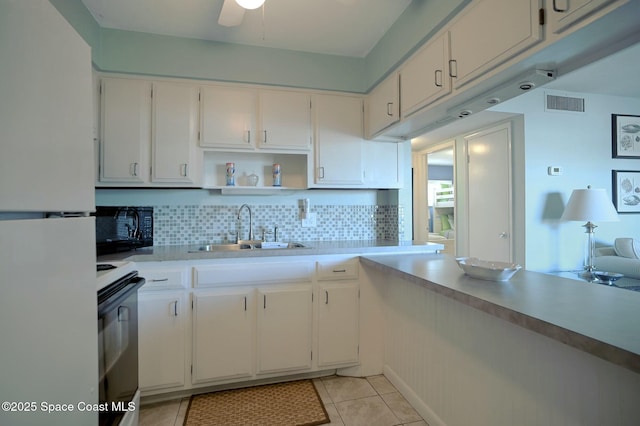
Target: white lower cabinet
<point>338,323</point>
<point>163,326</point>
<point>162,334</point>
<point>284,328</point>
<point>338,311</point>
<point>245,320</point>
<point>223,334</point>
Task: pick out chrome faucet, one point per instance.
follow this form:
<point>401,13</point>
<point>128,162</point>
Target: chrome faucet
<point>250,219</point>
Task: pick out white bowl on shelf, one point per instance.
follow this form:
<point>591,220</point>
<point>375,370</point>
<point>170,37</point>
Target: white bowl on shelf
<point>487,269</point>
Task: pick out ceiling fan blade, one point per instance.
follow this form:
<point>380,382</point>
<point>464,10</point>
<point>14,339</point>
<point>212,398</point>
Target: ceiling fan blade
<point>231,14</point>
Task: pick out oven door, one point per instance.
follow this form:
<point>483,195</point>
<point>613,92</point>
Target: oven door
<point>118,346</point>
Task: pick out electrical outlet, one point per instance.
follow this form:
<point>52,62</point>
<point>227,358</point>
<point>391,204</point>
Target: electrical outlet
<point>309,221</point>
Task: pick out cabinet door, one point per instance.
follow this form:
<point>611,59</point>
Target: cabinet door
<point>565,13</point>
<point>383,105</point>
<point>223,334</point>
<point>162,333</point>
<point>285,120</point>
<point>175,115</point>
<point>383,165</point>
<point>489,33</point>
<point>338,141</point>
<point>228,117</point>
<point>125,130</point>
<point>338,332</point>
<point>425,78</point>
<point>284,328</point>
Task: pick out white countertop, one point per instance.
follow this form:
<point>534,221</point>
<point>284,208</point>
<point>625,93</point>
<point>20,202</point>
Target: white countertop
<point>594,318</point>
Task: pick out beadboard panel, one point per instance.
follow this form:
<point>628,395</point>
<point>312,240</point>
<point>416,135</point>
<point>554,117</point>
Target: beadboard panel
<point>461,366</point>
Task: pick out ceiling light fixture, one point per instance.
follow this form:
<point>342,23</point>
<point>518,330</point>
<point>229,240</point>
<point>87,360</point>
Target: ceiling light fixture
<point>250,4</point>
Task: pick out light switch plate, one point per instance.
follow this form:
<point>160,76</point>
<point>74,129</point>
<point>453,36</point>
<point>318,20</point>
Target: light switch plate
<point>309,221</point>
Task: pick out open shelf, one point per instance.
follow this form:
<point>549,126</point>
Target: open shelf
<point>293,172</point>
<point>252,190</point>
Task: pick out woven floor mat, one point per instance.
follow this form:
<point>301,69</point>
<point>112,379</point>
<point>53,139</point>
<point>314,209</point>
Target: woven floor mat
<point>282,404</point>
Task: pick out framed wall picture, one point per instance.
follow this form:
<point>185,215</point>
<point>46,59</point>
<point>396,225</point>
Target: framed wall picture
<point>626,191</point>
<point>625,136</point>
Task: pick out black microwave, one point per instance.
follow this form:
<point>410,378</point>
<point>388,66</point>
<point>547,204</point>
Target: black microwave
<point>123,228</point>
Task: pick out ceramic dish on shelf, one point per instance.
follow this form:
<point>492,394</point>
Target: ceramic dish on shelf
<point>486,269</point>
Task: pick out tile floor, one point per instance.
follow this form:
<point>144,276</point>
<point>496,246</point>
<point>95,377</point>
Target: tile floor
<point>350,401</point>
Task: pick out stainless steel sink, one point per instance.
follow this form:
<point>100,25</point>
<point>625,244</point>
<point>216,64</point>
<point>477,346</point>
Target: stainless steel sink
<point>247,245</point>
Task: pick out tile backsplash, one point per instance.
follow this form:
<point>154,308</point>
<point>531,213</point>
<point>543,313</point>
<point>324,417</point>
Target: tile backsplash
<point>197,224</point>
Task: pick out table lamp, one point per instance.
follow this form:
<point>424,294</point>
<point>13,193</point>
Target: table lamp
<point>590,205</point>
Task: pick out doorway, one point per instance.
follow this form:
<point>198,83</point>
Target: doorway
<point>434,195</point>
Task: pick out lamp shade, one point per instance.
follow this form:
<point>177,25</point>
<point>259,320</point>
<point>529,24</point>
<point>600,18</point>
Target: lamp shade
<point>250,4</point>
<point>590,205</point>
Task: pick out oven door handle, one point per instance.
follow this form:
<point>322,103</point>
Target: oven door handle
<point>117,298</point>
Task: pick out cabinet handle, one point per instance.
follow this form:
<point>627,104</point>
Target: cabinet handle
<point>558,9</point>
<point>326,297</point>
<point>453,62</point>
<point>135,169</point>
<point>245,303</point>
<point>184,169</point>
<point>175,308</point>
<point>248,136</point>
<point>265,136</point>
<point>340,270</point>
<point>436,78</point>
<point>264,302</point>
<point>320,172</point>
<point>389,109</point>
<point>157,280</point>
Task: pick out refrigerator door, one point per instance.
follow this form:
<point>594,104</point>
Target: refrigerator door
<point>48,319</point>
<point>45,111</point>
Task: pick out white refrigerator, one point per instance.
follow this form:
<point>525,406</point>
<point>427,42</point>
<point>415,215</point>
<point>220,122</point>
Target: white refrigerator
<point>48,312</point>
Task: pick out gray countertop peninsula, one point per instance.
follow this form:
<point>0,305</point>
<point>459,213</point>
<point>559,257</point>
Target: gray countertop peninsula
<point>597,319</point>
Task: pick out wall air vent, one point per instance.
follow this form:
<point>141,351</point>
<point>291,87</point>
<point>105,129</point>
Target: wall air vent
<point>564,103</point>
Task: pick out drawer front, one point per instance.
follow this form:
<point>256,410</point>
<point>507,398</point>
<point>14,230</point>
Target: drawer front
<point>252,273</point>
<point>338,270</point>
<point>164,278</point>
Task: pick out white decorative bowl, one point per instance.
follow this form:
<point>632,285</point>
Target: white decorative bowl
<point>607,277</point>
<point>486,269</point>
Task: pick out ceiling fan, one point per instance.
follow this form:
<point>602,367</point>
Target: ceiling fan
<point>232,11</point>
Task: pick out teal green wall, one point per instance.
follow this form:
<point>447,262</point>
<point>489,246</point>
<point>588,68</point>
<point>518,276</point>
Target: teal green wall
<point>147,54</point>
<point>133,52</point>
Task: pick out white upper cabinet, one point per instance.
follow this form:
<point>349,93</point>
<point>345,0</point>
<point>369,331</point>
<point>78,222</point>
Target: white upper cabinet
<point>285,120</point>
<point>488,33</point>
<point>383,165</point>
<point>174,139</point>
<point>425,78</point>
<point>125,130</point>
<point>383,105</point>
<point>338,159</point>
<point>228,117</point>
<point>562,14</point>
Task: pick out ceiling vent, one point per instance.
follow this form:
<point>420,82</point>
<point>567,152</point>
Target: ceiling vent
<point>564,103</point>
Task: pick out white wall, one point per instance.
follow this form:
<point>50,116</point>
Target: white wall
<point>580,143</point>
